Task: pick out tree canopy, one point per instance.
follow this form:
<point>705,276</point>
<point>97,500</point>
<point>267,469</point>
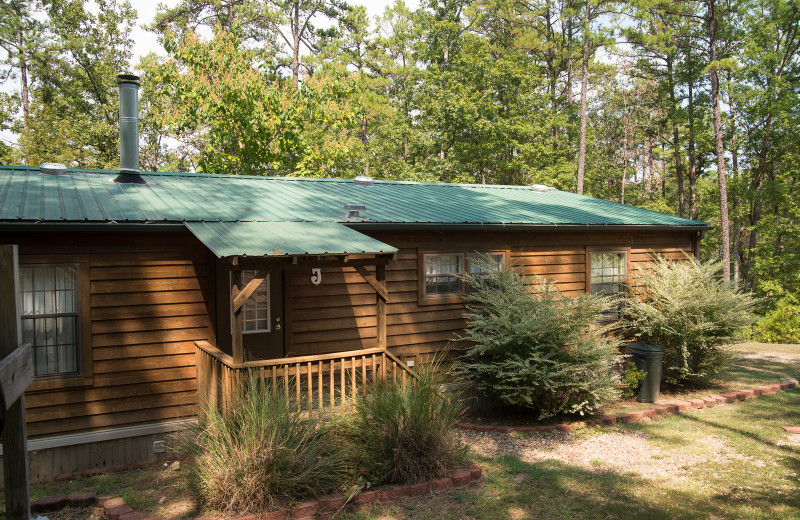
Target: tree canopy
<point>687,107</point>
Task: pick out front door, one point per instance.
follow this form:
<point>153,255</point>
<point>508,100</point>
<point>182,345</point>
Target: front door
<point>263,319</point>
<point>263,325</point>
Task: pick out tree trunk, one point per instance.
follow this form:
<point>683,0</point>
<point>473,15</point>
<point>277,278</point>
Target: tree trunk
<point>725,238</point>
<point>676,142</point>
<point>735,164</point>
<point>692,159</point>
<point>584,102</point>
<point>296,40</point>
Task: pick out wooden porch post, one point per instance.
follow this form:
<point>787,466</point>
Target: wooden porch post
<point>237,347</point>
<point>380,276</point>
<point>15,450</point>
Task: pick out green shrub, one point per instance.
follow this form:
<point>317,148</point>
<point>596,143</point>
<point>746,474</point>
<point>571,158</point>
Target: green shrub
<point>632,378</point>
<point>782,324</point>
<point>532,347</point>
<point>262,451</point>
<point>402,435</point>
<point>688,310</point>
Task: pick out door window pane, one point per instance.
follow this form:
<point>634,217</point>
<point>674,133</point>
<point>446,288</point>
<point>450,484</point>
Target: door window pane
<point>256,310</point>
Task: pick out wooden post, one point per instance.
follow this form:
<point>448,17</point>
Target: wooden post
<point>236,323</point>
<point>380,276</point>
<point>15,449</point>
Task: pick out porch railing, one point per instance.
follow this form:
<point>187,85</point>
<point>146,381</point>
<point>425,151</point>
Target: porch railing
<point>318,382</point>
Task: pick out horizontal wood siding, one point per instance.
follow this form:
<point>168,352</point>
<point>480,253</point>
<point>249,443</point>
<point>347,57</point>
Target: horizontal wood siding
<point>150,301</point>
<point>336,315</point>
<point>417,331</point>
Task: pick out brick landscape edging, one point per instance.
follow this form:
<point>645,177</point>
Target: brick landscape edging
<point>115,508</point>
<point>668,409</point>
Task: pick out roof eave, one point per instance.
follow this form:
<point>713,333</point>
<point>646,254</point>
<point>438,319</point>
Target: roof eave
<point>494,226</point>
<point>399,226</point>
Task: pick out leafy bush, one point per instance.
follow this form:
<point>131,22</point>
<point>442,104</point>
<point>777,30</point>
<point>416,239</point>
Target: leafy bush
<point>403,435</point>
<point>782,324</point>
<point>688,310</point>
<point>532,347</point>
<point>262,451</point>
<point>632,378</point>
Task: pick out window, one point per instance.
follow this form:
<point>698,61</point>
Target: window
<point>440,274</point>
<point>50,318</point>
<point>442,270</point>
<point>256,308</point>
<point>608,275</point>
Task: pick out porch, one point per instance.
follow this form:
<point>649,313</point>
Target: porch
<point>320,383</point>
<point>267,274</point>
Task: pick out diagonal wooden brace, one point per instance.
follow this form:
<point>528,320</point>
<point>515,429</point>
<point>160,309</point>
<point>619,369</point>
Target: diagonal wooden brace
<point>370,279</point>
<point>248,290</point>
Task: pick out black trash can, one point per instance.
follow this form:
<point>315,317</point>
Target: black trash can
<point>648,358</point>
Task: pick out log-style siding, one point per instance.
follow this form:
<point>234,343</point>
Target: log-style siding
<point>150,301</point>
<point>417,329</point>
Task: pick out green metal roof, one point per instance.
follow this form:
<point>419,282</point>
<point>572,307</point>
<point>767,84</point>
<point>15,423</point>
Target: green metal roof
<point>91,196</point>
<point>283,239</point>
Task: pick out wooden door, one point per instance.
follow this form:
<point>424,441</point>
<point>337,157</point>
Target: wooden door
<point>263,328</point>
<point>263,313</point>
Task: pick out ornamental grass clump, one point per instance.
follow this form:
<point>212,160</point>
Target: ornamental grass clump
<point>686,308</point>
<point>531,347</point>
<point>403,434</point>
<point>262,451</point>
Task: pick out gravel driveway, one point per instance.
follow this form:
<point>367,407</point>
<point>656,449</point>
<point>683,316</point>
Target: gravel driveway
<point>618,451</point>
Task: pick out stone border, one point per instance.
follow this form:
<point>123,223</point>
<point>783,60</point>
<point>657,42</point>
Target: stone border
<point>668,409</point>
<point>115,508</point>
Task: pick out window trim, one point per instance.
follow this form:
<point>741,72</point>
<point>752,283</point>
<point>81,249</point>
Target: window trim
<point>85,377</point>
<point>423,298</point>
<point>607,249</point>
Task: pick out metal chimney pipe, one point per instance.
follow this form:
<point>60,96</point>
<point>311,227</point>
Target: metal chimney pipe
<point>129,130</point>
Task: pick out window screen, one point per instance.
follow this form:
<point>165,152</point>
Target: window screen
<point>440,273</point>
<point>609,278</point>
<point>49,317</point>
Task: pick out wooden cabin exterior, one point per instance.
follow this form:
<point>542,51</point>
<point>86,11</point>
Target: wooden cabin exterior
<point>153,272</point>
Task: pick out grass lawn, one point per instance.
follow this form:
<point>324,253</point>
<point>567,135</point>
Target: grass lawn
<point>737,463</point>
<point>731,461</point>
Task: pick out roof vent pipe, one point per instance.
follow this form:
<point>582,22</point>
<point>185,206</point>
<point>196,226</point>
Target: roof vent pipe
<point>129,130</point>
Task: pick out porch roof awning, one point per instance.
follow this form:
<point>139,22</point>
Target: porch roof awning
<point>237,238</point>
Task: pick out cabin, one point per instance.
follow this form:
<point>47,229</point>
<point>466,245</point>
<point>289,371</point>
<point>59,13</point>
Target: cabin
<point>141,293</point>
<point>135,296</point>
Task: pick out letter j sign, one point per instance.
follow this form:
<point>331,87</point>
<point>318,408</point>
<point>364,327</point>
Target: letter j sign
<point>316,276</point>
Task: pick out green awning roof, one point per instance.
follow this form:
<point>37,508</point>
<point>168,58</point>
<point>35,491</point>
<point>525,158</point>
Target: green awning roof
<point>284,239</point>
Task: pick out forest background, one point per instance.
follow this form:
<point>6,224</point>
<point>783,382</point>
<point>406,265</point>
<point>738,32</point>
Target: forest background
<point>689,107</point>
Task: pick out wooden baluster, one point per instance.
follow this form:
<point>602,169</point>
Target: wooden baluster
<point>354,388</point>
<point>332,384</point>
<point>297,381</point>
<point>374,374</point>
<point>285,369</point>
<point>341,382</point>
<point>363,376</point>
<point>320,389</point>
<point>403,373</point>
<point>274,378</point>
<point>310,388</point>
